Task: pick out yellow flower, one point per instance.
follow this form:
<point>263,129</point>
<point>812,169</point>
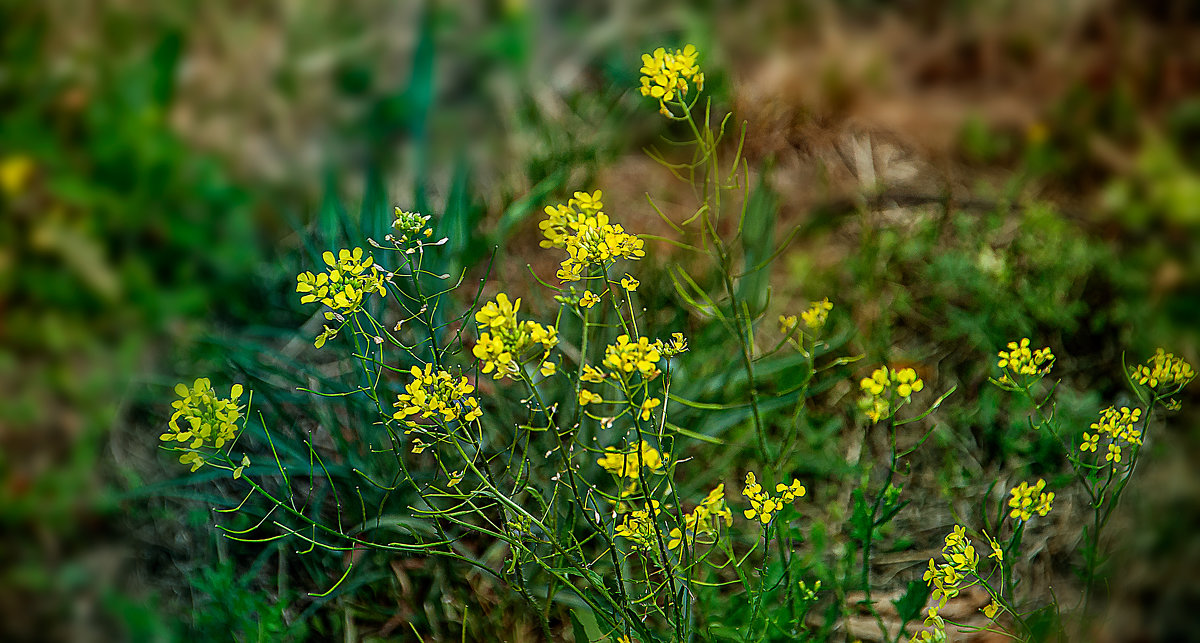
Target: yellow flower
<point>763,505</point>
<point>885,388</point>
<point>629,283</point>
<point>592,374</point>
<point>587,397</point>
<point>344,285</point>
<point>588,299</point>
<point>582,211</point>
<point>639,526</point>
<point>549,368</point>
<point>202,420</point>
<point>438,395</point>
<point>1090,441</point>
<point>816,314</point>
<point>1020,360</point>
<point>991,609</point>
<point>628,465</point>
<point>14,174</point>
<point>1163,370</point>
<point>701,522</point>
<point>625,357</point>
<point>507,340</point>
<point>648,407</point>
<point>1114,453</point>
<point>1026,499</point>
<point>666,74</point>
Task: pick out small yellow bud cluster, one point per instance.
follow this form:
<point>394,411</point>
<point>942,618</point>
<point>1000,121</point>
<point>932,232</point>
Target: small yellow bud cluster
<point>1117,427</point>
<point>627,465</point>
<point>1027,499</point>
<point>666,73</point>
<point>814,318</point>
<point>1020,360</point>
<point>763,505</point>
<point>702,521</point>
<point>506,339</point>
<point>1163,370</point>
<point>947,578</point>
<point>437,394</point>
<point>816,314</point>
<point>202,419</point>
<point>638,526</point>
<point>410,226</point>
<point>884,388</point>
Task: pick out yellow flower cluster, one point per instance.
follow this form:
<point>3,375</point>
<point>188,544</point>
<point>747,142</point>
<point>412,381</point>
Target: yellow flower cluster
<point>410,226</point>
<point>597,246</point>
<point>1019,359</point>
<point>816,314</point>
<point>203,419</point>
<point>1117,425</point>
<point>14,174</point>
<point>581,228</point>
<point>638,526</point>
<point>506,339</point>
<point>702,520</point>
<point>763,505</point>
<point>565,219</point>
<point>1165,370</point>
<point>665,73</point>
<point>883,388</point>
<point>628,465</point>
<point>625,357</point>
<point>346,282</point>
<point>437,394</point>
<point>1027,499</point>
<point>814,318</point>
<point>947,578</point>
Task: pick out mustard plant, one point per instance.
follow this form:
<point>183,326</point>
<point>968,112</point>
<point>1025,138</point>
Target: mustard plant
<point>548,430</point>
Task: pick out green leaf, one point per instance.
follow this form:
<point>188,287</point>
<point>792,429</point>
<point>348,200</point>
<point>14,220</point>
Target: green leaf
<point>909,606</point>
<point>584,624</point>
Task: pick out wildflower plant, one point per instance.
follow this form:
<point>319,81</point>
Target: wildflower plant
<point>552,431</point>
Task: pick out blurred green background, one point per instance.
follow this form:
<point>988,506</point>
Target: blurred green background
<point>167,168</point>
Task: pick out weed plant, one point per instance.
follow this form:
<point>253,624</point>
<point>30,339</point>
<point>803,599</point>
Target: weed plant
<point>573,454</point>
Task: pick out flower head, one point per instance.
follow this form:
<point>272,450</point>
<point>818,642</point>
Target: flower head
<point>1027,499</point>
<point>886,390</point>
<point>703,520</point>
<point>437,395</point>
<point>1020,362</point>
<point>764,505</point>
<point>666,74</point>
<point>202,420</point>
<point>507,340</point>
<point>628,465</point>
<point>344,285</point>
<point>1163,371</point>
